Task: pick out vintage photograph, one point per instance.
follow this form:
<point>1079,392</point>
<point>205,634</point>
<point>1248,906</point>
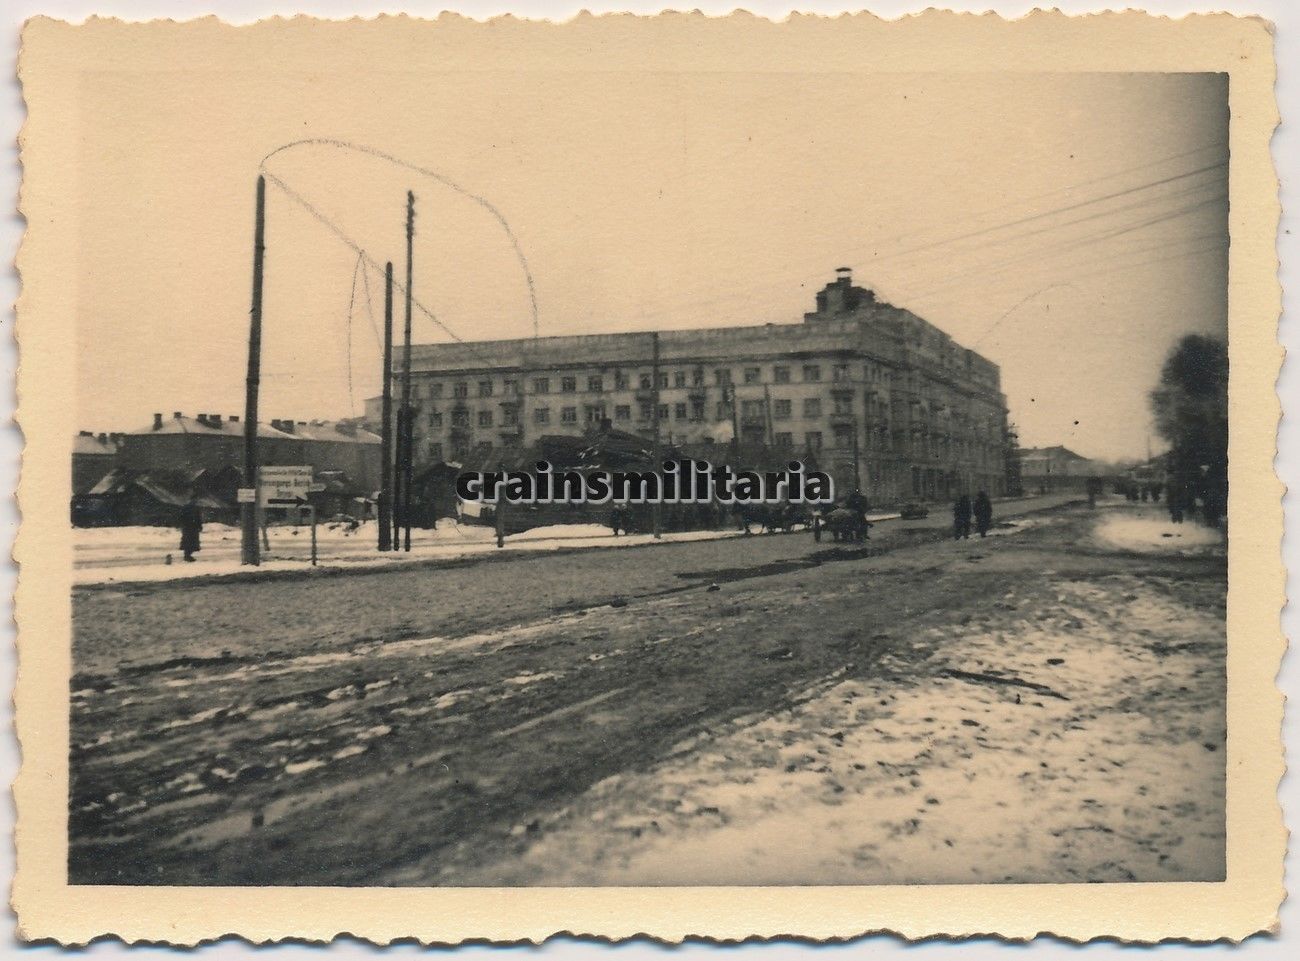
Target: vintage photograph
<point>575,477</point>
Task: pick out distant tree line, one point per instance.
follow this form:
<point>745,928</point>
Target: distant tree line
<point>1190,405</point>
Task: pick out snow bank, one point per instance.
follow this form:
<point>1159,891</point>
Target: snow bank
<point>1150,533</point>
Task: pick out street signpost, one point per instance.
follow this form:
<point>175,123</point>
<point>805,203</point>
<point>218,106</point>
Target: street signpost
<point>288,487</point>
<point>280,486</point>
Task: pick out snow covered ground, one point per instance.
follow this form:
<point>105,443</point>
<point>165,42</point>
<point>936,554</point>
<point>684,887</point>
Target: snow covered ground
<point>119,554</point>
<point>1153,531</point>
<point>1070,731</point>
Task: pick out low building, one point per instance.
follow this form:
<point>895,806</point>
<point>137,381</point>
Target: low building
<point>93,456</point>
<point>151,466</point>
<point>1049,470</point>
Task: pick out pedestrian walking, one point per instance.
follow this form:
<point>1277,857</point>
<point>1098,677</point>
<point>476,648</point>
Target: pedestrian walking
<point>191,527</point>
<point>983,510</point>
<point>961,514</point>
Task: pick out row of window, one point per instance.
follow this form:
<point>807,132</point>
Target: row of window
<point>812,440</point>
<point>750,410</point>
<point>595,384</point>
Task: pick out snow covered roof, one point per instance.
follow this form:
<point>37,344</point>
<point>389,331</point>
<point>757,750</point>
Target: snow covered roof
<point>207,425</point>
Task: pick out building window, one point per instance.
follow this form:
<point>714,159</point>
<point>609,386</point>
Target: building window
<point>753,375</point>
<point>840,373</point>
<point>812,372</point>
<point>620,380</point>
<point>542,415</point>
<point>781,410</point>
<point>813,440</point>
<point>541,385</point>
<point>722,376</point>
<point>724,410</point>
<point>646,382</point>
<point>679,378</point>
<point>812,407</point>
<point>461,389</point>
<point>663,411</point>
<point>623,412</point>
<point>781,375</point>
<point>679,411</point>
<point>435,389</point>
<point>511,388</point>
<point>569,415</point>
<point>485,388</point>
<point>843,436</point>
<point>595,384</point>
<point>460,418</point>
<point>435,419</point>
<point>645,411</point>
<point>509,416</point>
<point>663,380</point>
<point>783,438</point>
<point>435,451</point>
<point>751,409</point>
<point>697,410</point>
<point>697,377</point>
<point>568,385</point>
<point>594,413</point>
<point>843,405</point>
<point>459,450</point>
<point>485,418</point>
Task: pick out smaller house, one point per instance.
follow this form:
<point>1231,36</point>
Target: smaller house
<point>93,456</point>
<point>154,497</point>
<point>1049,470</point>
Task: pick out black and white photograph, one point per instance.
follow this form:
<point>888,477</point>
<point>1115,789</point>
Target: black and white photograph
<point>573,477</point>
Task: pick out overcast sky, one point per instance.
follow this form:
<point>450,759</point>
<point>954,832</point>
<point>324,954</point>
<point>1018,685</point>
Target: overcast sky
<point>1095,206</point>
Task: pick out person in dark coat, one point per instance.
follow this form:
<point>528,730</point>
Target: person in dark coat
<point>983,510</point>
<point>191,527</point>
<point>961,513</point>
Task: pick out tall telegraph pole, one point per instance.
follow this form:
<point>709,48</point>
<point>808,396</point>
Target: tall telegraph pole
<point>408,432</point>
<point>249,548</point>
<point>386,431</point>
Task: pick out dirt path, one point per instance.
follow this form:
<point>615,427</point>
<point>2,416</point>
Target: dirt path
<point>447,760</point>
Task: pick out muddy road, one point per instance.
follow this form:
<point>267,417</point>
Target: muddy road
<point>407,728</point>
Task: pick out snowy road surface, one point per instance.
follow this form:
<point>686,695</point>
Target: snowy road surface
<point>1038,706</point>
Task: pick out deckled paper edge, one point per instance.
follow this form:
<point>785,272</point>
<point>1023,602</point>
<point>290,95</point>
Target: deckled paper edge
<point>1245,904</point>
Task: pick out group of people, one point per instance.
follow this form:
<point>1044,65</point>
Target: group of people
<point>964,510</point>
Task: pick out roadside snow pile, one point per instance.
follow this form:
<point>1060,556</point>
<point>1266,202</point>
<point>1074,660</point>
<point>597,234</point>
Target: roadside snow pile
<point>1149,534</point>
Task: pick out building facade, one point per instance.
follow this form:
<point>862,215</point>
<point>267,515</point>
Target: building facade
<point>884,400</point>
<point>1047,470</point>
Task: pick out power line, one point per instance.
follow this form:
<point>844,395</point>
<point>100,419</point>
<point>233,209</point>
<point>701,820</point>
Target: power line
<point>671,308</point>
<point>370,261</point>
<point>440,178</point>
<point>1070,245</point>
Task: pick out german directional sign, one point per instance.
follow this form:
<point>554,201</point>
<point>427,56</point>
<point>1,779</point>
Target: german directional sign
<point>281,486</point>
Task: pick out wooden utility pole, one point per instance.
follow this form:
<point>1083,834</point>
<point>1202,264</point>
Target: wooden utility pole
<point>408,426</point>
<point>386,431</point>
<point>249,553</point>
<point>767,411</point>
<point>730,389</point>
<point>857,472</point>
<point>656,508</point>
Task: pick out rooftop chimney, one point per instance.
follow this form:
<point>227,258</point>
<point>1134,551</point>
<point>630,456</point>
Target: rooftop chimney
<point>86,433</point>
<point>176,414</point>
<point>234,418</point>
<point>103,438</point>
<point>157,421</point>
<point>844,275</point>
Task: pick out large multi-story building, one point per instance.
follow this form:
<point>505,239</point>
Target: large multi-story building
<point>883,399</point>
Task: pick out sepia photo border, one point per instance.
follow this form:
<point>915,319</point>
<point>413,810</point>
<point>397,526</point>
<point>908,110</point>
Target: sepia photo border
<point>1247,902</point>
